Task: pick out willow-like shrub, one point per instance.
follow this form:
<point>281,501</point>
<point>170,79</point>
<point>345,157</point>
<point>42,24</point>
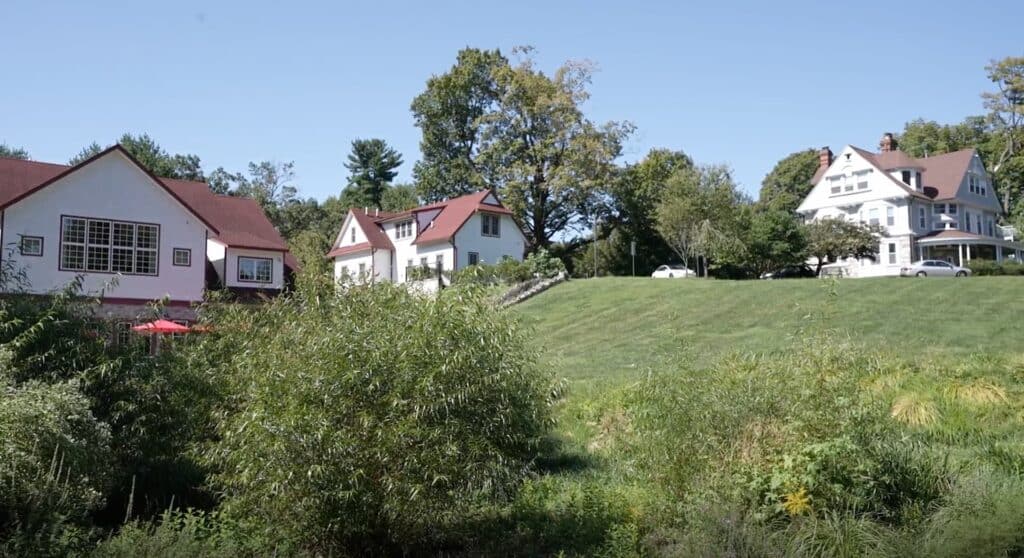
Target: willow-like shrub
<point>373,418</point>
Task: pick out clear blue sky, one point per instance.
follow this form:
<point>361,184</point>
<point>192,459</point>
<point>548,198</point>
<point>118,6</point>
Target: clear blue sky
<point>743,83</point>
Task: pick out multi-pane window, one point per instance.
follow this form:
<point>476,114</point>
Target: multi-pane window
<point>362,269</point>
<point>862,179</point>
<point>182,257</point>
<point>873,216</point>
<point>890,216</point>
<point>905,177</point>
<point>490,225</point>
<point>255,270</point>
<point>439,261</point>
<point>122,333</point>
<point>892,252</point>
<point>353,234</point>
<point>109,246</point>
<point>474,258</point>
<point>403,229</point>
<point>951,209</point>
<point>921,218</point>
<point>31,246</point>
<point>423,261</point>
<point>835,184</point>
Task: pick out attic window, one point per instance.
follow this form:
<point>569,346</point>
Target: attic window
<point>353,235</point>
<point>847,156</point>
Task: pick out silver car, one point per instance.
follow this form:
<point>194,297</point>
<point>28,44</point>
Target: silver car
<point>934,268</point>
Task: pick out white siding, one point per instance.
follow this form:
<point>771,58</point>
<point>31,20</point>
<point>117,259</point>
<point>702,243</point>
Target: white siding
<point>352,262</point>
<point>231,268</point>
<point>111,187</point>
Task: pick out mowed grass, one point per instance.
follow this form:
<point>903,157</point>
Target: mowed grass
<point>615,328</point>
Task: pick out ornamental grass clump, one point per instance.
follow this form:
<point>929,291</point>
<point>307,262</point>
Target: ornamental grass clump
<point>372,420</point>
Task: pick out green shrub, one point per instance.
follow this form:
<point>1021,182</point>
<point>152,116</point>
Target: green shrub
<point>989,267</point>
<point>372,419</point>
<point>54,459</point>
<point>542,264</point>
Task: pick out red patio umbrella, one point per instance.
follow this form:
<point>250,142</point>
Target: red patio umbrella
<point>161,326</point>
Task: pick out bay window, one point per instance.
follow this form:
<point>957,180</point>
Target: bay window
<point>255,270</point>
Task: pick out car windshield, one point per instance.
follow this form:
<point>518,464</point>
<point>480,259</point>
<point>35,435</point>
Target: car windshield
<point>676,267</point>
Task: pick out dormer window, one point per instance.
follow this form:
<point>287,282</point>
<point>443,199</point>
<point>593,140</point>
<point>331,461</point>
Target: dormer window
<point>861,178</point>
<point>905,177</point>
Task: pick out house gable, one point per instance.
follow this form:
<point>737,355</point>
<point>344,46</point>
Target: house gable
<point>850,171</point>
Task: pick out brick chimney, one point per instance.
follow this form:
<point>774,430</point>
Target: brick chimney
<point>825,157</point>
<point>888,143</point>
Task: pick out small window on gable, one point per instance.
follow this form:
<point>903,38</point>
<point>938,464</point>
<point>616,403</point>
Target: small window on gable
<point>353,234</point>
<point>31,246</point>
<point>182,257</point>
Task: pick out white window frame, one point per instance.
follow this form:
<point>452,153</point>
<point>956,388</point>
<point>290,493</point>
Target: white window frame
<point>890,216</point>
<point>473,258</point>
<point>922,221</point>
<point>114,244</point>
<point>873,218</point>
<point>254,275</point>
<point>892,253</point>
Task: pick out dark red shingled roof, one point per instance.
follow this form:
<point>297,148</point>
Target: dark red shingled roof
<point>236,222</point>
<point>454,213</point>
<point>942,175</point>
<point>374,234</point>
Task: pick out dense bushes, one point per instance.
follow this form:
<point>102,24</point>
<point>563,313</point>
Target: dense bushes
<point>373,420</point>
<point>989,267</point>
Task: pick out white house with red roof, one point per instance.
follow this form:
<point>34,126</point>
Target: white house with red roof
<point>939,207</point>
<point>132,236</point>
<point>453,234</point>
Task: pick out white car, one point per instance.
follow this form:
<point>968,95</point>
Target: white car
<point>934,268</point>
<point>674,271</point>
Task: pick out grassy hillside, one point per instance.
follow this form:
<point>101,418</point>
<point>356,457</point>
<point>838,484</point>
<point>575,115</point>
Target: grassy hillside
<point>610,328</point>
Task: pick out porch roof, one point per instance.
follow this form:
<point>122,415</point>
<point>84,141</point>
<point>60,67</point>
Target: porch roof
<point>955,237</point>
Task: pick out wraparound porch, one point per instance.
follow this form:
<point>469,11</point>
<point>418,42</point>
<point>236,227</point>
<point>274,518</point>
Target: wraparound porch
<point>961,247</point>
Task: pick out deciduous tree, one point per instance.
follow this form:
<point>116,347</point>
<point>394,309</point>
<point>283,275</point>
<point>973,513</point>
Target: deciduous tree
<point>151,156</point>
<point>831,239</point>
<point>789,181</point>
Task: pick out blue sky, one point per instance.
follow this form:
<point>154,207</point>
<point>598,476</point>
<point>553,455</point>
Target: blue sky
<point>742,83</point>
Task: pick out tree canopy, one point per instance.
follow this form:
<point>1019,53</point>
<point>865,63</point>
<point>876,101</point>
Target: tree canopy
<point>11,152</point>
<point>153,157</point>
<point>789,181</point>
<point>371,165</point>
<point>831,239</point>
<point>490,124</point>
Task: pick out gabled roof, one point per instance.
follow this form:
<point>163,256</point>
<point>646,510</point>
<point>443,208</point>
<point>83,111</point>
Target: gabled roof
<point>942,175</point>
<point>946,172</point>
<point>454,213</point>
<point>871,158</point>
<point>891,160</point>
<point>236,222</point>
<point>374,234</point>
<point>20,187</point>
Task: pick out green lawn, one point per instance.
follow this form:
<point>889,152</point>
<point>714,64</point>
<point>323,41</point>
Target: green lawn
<point>613,328</point>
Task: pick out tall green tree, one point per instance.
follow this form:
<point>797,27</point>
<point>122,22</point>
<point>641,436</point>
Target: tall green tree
<point>449,114</point>
<point>517,130</point>
<point>789,181</point>
<point>400,197</point>
<point>774,239</point>
<point>702,216</point>
<point>153,157</point>
<point>632,199</point>
<point>10,152</point>
<point>372,165</point>
<point>1006,104</point>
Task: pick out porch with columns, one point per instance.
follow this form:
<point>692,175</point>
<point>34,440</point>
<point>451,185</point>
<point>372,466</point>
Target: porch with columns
<point>960,247</point>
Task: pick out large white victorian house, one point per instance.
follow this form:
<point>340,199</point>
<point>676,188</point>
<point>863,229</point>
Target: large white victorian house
<point>937,207</point>
<point>132,236</point>
<point>450,235</point>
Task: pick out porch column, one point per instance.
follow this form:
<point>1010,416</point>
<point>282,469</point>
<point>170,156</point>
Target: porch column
<point>967,250</point>
<point>920,252</point>
<point>960,255</point>
<point>999,254</point>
